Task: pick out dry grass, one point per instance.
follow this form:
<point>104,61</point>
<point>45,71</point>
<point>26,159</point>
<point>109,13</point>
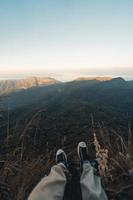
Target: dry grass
<point>116,163</point>
<point>25,160</point>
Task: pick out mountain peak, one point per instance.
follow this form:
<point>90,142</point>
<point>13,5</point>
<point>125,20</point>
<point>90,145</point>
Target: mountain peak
<point>98,78</point>
<point>119,79</point>
<point>117,82</point>
<point>8,86</point>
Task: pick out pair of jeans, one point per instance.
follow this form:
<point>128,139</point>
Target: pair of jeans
<point>52,187</point>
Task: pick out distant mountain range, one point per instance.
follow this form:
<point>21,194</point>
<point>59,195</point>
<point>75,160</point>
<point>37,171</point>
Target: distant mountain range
<point>41,90</point>
<point>8,86</point>
<point>108,99</point>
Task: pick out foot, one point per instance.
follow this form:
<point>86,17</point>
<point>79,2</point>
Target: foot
<point>61,157</point>
<point>82,152</point>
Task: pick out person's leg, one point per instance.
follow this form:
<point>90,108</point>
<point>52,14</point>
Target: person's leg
<point>91,184</point>
<point>91,187</point>
<point>52,187</point>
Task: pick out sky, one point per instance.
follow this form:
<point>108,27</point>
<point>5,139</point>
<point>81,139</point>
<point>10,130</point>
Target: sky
<point>66,38</point>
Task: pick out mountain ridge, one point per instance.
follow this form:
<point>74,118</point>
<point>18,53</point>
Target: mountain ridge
<point>97,78</point>
<point>9,86</point>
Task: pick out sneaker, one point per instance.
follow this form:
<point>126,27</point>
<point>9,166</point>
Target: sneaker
<point>82,152</point>
<point>61,157</point>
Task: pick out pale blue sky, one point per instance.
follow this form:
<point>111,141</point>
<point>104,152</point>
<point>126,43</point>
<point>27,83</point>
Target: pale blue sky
<point>66,38</point>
